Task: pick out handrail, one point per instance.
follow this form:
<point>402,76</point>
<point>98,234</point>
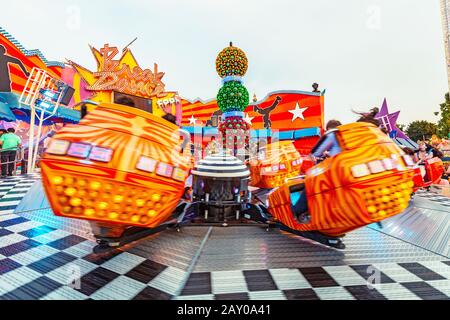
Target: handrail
<point>20,158</point>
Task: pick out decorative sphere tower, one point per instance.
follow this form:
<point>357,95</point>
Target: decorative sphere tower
<point>233,98</point>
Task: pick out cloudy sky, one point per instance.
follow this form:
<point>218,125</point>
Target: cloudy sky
<point>359,50</point>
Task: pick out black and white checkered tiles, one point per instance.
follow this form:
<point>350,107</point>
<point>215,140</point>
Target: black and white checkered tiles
<point>437,198</point>
<point>39,262</point>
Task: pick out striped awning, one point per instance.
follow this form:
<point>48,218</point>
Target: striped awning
<point>221,166</point>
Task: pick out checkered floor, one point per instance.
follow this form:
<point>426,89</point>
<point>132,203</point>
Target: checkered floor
<point>42,263</point>
<point>437,198</point>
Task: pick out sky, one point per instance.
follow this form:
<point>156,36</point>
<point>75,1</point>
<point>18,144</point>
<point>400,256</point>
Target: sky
<point>360,51</point>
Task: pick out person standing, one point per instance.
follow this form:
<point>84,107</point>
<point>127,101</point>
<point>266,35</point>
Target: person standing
<point>9,142</point>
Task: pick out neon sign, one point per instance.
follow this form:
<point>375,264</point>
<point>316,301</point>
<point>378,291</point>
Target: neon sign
<point>113,75</point>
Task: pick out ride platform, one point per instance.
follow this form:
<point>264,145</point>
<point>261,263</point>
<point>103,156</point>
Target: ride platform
<point>44,257</point>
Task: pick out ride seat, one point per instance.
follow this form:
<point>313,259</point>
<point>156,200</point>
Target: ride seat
<point>299,203</point>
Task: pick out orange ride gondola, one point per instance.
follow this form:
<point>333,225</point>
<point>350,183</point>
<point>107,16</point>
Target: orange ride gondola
<point>369,180</point>
<point>119,167</point>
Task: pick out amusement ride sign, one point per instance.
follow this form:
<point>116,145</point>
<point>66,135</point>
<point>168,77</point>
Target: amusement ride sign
<point>114,76</point>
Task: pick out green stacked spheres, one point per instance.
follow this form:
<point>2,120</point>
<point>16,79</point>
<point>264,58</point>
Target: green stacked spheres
<point>231,63</point>
<point>233,96</point>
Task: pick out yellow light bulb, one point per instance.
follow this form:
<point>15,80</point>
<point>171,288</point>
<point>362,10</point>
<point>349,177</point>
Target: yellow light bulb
<point>152,213</point>
<point>89,212</point>
<point>386,199</point>
<point>67,209</point>
<point>382,213</point>
<point>156,197</point>
<point>410,184</point>
<point>372,209</point>
<point>70,192</point>
<point>118,199</point>
<point>113,215</point>
<point>69,181</point>
<point>135,219</point>
<point>102,205</point>
<point>95,185</point>
<point>58,180</point>
<point>385,191</point>
<point>75,202</point>
<point>140,203</point>
<point>404,186</point>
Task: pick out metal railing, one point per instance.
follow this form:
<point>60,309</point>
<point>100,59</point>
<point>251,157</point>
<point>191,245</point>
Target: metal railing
<point>20,158</point>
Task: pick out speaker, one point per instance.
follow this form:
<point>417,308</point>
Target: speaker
<point>67,95</point>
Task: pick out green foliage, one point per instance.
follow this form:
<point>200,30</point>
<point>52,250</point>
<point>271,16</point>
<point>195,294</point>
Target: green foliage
<point>444,122</point>
<point>402,127</point>
<point>419,130</point>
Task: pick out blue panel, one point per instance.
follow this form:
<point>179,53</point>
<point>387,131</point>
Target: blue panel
<point>210,131</point>
<point>263,133</point>
<point>304,133</point>
<point>286,135</point>
<point>189,129</point>
<point>254,133</point>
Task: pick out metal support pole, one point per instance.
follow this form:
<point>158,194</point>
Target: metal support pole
<point>38,138</point>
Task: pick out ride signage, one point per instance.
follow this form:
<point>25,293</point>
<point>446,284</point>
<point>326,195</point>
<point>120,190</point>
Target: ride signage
<point>116,75</point>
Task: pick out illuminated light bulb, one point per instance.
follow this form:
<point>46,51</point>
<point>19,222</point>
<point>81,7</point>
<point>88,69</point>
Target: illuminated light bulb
<point>372,209</point>
<point>58,180</point>
<point>70,192</point>
<point>69,181</point>
<point>95,185</point>
<point>89,212</point>
<point>410,184</point>
<point>140,203</point>
<point>152,213</point>
<point>158,206</point>
<point>102,205</point>
<point>59,190</point>
<point>398,194</point>
<point>78,210</point>
<point>67,209</point>
<point>129,209</point>
<point>385,191</point>
<point>108,187</point>
<point>156,197</point>
<point>113,215</point>
<point>135,219</point>
<point>403,206</point>
<point>404,186</point>
<point>382,213</point>
<point>406,193</point>
<point>386,199</point>
<point>75,202</point>
<point>118,199</point>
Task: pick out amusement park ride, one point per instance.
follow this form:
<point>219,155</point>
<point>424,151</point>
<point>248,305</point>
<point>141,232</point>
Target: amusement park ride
<point>125,171</point>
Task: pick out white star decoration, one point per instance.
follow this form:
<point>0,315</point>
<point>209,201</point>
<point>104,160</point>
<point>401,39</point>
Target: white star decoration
<point>248,119</point>
<point>192,120</point>
<point>298,112</point>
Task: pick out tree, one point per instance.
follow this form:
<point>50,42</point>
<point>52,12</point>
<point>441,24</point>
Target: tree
<point>444,123</point>
<point>419,130</point>
<point>402,127</point>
